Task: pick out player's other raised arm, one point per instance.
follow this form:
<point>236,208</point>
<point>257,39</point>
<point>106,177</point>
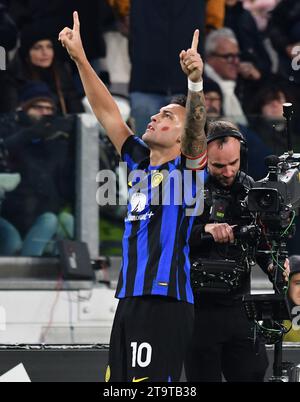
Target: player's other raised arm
<point>98,95</point>
<point>193,142</point>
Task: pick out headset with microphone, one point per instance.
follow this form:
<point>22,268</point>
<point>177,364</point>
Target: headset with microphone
<point>230,132</point>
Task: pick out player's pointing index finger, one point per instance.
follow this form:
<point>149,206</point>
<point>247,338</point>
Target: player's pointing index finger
<point>195,40</point>
<point>76,23</point>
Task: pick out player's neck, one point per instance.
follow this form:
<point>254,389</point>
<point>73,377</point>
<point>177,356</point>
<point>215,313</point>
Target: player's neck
<point>160,156</point>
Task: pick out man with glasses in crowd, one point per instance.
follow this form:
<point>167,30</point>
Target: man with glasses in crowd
<point>223,66</point>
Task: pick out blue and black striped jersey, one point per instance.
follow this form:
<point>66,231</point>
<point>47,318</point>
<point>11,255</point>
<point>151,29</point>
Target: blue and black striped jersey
<point>163,202</point>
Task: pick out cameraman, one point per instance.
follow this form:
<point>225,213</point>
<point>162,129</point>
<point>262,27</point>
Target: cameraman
<point>223,336</point>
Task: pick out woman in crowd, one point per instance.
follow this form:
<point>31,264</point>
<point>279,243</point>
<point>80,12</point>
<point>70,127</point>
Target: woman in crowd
<point>36,60</point>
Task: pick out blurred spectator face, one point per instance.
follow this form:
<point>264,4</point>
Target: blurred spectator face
<point>261,11</point>
<point>226,59</point>
<point>294,288</point>
<point>273,108</point>
<point>213,103</point>
<point>41,54</point>
<point>224,160</point>
<point>40,109</point>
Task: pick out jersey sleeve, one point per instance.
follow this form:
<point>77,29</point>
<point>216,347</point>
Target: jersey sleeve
<point>134,151</point>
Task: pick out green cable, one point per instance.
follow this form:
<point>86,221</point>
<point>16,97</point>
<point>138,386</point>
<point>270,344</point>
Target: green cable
<point>290,224</point>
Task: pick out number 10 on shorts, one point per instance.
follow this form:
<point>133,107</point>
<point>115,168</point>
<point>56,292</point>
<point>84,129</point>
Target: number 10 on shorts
<point>141,354</point>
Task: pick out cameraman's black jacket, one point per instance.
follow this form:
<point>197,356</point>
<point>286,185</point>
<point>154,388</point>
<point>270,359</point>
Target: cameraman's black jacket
<point>209,249</point>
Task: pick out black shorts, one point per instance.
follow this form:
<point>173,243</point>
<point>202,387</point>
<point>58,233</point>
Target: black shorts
<point>223,344</point>
<point>149,339</point>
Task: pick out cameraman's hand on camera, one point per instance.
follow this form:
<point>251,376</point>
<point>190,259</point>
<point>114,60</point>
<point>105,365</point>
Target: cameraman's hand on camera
<point>286,271</point>
<point>221,232</point>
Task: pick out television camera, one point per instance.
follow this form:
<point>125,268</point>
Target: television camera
<point>267,221</point>
<point>275,202</point>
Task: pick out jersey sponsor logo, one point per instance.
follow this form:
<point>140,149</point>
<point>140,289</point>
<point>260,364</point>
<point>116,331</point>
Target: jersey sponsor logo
<point>163,284</point>
<point>140,379</point>
<point>138,202</point>
<point>133,218</point>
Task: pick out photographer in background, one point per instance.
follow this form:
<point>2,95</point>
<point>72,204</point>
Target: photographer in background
<point>223,337</point>
<point>37,144</point>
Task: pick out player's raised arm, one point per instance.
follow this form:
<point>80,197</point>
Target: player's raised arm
<point>99,97</point>
<point>193,142</point>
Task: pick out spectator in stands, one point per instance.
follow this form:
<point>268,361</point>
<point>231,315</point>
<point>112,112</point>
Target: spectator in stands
<point>213,99</point>
<point>121,10</point>
<point>38,148</point>
<point>294,289</point>
<point>271,125</point>
<point>223,66</point>
<point>284,31</point>
<point>267,117</point>
<point>8,29</point>
<point>56,13</point>
<point>154,27</point>
<point>215,14</point>
<point>36,60</point>
<point>260,10</point>
<point>250,40</point>
<point>52,15</point>
<point>294,298</point>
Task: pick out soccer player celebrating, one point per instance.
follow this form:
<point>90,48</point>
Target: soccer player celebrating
<point>154,319</point>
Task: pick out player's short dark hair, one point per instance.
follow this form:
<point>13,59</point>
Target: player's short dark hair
<point>179,100</point>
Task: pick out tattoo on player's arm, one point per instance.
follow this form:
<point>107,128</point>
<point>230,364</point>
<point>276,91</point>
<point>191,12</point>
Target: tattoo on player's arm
<point>193,142</point>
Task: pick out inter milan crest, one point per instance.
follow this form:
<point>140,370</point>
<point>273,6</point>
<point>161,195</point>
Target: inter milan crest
<point>156,179</point>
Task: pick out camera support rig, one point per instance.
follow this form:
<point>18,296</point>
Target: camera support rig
<point>275,200</point>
